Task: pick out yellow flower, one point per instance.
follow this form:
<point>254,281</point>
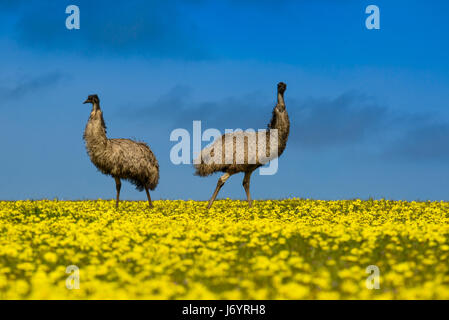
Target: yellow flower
<point>50,257</point>
<point>279,249</point>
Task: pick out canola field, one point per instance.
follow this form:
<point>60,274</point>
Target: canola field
<point>286,249</point>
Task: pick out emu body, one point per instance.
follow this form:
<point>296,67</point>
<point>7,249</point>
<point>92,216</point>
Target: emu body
<point>208,164</point>
<point>119,158</point>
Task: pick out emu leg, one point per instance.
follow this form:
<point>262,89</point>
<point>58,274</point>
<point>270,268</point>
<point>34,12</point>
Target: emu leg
<point>220,184</point>
<point>118,186</point>
<point>246,181</point>
<point>149,198</point>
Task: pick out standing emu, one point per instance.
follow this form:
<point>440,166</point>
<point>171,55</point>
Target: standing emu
<point>120,158</point>
<point>208,164</point>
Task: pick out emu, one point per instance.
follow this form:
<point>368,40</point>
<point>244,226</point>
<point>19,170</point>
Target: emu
<point>207,163</point>
<point>119,158</point>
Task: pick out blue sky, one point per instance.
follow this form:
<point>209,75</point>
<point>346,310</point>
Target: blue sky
<point>369,108</point>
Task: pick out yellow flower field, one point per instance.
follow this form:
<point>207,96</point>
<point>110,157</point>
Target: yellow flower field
<point>289,249</point>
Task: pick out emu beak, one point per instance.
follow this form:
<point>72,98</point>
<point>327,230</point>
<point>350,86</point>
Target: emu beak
<point>87,101</point>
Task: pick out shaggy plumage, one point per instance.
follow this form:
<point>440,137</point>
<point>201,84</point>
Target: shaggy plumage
<point>243,152</point>
<point>119,158</point>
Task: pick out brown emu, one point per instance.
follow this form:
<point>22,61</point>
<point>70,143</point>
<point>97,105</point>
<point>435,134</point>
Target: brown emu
<point>120,158</point>
<point>208,164</point>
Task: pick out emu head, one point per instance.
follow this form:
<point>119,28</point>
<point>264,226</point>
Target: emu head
<point>93,98</point>
<point>282,87</point>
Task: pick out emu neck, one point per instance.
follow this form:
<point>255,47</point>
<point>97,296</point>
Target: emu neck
<point>281,122</point>
<point>95,132</point>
